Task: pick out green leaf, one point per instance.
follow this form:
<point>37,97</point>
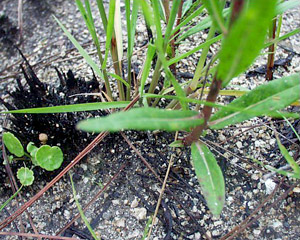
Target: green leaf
<point>109,30</point>
<point>177,143</point>
<point>72,107</point>
<point>186,6</point>
<point>25,175</point>
<point>245,39</point>
<point>263,100</point>
<point>32,149</point>
<point>142,119</point>
<point>81,212</point>
<point>146,68</point>
<point>49,158</point>
<point>215,10</point>
<point>209,176</point>
<point>119,79</point>
<point>204,24</point>
<point>289,159</point>
<point>80,49</point>
<point>286,5</point>
<point>13,144</point>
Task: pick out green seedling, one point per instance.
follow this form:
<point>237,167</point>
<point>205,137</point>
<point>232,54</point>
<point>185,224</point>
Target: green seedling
<point>13,144</point>
<point>46,157</point>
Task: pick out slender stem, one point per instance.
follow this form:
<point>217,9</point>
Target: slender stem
<point>167,9</point>
<point>172,43</point>
<point>271,56</point>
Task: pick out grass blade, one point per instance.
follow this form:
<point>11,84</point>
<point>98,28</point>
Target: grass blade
<point>147,67</point>
<point>83,217</point>
<point>82,52</point>
<point>142,119</point>
<point>72,108</point>
<point>215,10</point>
<point>209,176</point>
<point>109,30</point>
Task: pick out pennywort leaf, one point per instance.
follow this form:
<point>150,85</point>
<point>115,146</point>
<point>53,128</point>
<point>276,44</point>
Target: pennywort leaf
<point>25,175</point>
<point>142,119</point>
<point>263,100</point>
<point>49,158</point>
<point>209,176</point>
<point>245,39</point>
<point>13,144</point>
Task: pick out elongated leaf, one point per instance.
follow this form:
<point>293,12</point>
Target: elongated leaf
<point>186,6</point>
<point>73,107</point>
<point>286,5</point>
<point>81,212</point>
<point>147,67</point>
<point>215,10</point>
<point>289,159</point>
<point>205,23</point>
<point>184,55</point>
<point>264,99</point>
<point>245,39</point>
<point>110,30</point>
<point>142,119</point>
<point>119,79</point>
<point>209,176</point>
<point>82,52</point>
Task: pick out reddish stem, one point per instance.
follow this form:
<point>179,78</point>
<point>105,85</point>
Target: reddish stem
<point>270,64</point>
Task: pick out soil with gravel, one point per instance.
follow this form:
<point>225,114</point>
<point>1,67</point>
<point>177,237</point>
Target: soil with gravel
<point>122,210</point>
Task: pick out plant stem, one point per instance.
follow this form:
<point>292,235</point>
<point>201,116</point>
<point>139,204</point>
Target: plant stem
<point>172,43</point>
<point>167,9</point>
<point>206,112</point>
<point>270,63</point>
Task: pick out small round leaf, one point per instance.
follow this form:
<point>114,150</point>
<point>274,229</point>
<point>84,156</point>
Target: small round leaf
<point>49,158</point>
<point>30,147</point>
<point>13,144</point>
<point>25,175</point>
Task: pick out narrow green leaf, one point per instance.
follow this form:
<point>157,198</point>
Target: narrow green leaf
<point>142,119</point>
<point>11,198</point>
<point>215,10</point>
<point>209,176</point>
<point>188,19</point>
<point>286,5</point>
<point>147,67</point>
<point>82,52</point>
<point>73,107</point>
<point>83,217</point>
<point>245,39</point>
<point>119,79</point>
<point>204,24</point>
<point>147,12</point>
<point>110,29</point>
<point>196,49</point>
<point>186,6</point>
<point>289,159</point>
<point>263,100</point>
<point>102,14</point>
